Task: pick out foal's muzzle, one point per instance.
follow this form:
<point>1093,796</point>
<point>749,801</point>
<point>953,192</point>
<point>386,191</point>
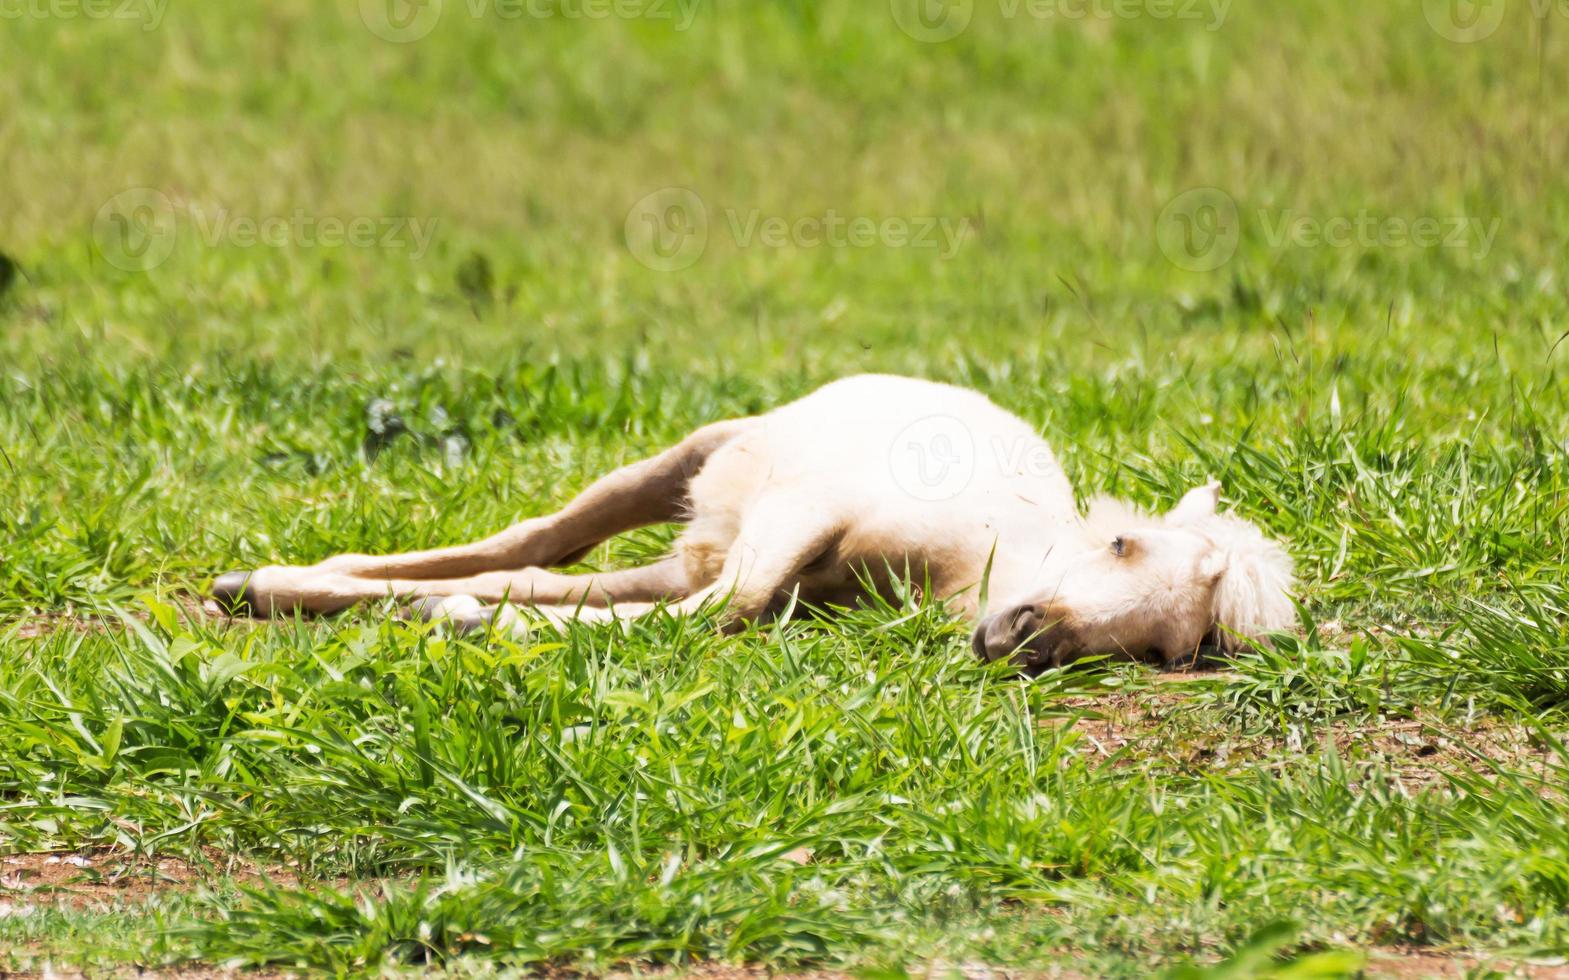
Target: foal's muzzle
<point>1033,636</point>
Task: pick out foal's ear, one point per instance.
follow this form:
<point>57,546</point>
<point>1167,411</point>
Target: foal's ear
<point>1195,505</point>
<point>1213,565</point>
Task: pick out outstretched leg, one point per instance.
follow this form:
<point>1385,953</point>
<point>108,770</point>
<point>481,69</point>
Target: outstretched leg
<point>317,592</point>
<point>778,538</point>
<point>648,492</point>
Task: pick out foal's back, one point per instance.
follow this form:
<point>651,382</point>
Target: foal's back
<point>908,470</point>
<point>891,440</point>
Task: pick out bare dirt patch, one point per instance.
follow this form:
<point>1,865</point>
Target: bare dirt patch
<point>1166,724</point>
<point>38,624</point>
<point>701,971</point>
<point>1408,964</point>
<point>81,879</point>
<point>194,971</point>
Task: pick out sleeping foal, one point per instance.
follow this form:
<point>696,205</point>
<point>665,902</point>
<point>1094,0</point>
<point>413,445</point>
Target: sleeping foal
<point>865,479</point>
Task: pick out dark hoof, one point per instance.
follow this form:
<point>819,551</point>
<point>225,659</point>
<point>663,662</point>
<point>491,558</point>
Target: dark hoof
<point>232,591</point>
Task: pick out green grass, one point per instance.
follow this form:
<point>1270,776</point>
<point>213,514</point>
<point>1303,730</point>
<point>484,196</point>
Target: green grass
<point>1392,411</point>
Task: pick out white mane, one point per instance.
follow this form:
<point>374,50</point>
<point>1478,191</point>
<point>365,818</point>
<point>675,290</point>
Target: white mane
<point>1252,594</point>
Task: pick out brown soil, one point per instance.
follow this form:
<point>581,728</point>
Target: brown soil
<point>35,625</point>
<point>1163,725</point>
<point>83,878</point>
<point>191,972</point>
<point>1403,964</point>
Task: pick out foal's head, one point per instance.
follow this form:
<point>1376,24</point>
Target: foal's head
<point>1146,587</point>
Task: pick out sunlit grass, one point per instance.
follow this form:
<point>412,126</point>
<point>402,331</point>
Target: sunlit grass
<point>850,790</point>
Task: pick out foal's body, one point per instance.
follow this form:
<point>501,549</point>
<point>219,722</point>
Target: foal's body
<point>866,478</point>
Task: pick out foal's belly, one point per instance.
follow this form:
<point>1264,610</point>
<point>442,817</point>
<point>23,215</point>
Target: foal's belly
<point>822,589</point>
<point>847,575</point>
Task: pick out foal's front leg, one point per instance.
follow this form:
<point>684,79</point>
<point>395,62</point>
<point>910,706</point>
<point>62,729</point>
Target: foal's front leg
<point>652,491</point>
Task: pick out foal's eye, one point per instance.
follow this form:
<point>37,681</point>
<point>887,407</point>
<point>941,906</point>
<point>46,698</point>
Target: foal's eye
<point>1119,546</point>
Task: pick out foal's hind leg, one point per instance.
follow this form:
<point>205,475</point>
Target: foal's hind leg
<point>777,539</point>
<point>663,580</point>
<point>652,491</point>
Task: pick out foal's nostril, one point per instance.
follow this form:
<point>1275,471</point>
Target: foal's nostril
<point>1034,636</point>
<point>1025,621</point>
<point>1001,636</point>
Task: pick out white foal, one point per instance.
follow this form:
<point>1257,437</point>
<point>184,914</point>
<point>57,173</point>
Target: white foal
<point>866,478</point>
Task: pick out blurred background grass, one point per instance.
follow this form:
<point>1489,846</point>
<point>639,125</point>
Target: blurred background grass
<point>1143,191</point>
<point>231,378</point>
<point>526,140</point>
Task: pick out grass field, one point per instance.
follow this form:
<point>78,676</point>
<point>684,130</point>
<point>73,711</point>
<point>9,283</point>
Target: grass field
<point>285,280</point>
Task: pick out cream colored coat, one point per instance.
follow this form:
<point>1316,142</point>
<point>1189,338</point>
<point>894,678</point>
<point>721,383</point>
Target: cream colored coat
<point>864,479</point>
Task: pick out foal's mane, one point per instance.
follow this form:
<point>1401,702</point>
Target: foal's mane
<point>1253,592</point>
